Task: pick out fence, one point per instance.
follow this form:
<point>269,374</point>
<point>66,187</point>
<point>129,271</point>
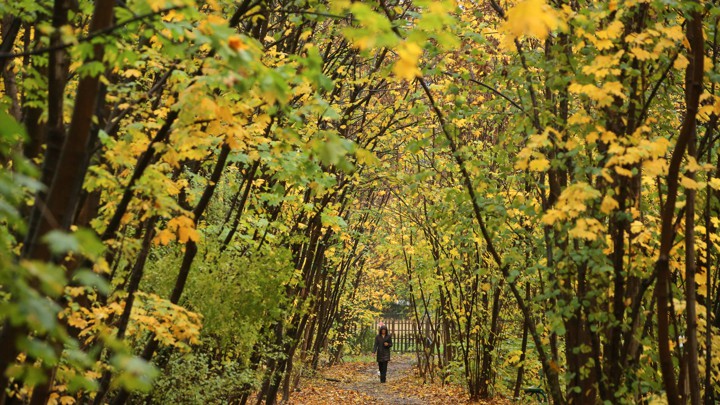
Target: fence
<point>404,332</point>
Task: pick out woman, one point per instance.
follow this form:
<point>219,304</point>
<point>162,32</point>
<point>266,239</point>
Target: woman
<point>383,343</point>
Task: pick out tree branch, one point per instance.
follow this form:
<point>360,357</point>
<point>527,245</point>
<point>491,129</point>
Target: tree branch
<point>89,37</point>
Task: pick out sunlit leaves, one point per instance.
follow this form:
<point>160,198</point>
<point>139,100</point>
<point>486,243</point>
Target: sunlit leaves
<point>172,325</point>
<point>181,228</point>
<point>408,58</point>
<point>603,95</point>
<point>572,203</point>
<point>534,18</point>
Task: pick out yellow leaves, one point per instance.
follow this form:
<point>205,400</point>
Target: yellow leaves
<point>236,138</point>
<point>604,65</point>
<point>605,38</point>
<point>539,165</point>
<point>571,203</point>
<point>608,205</point>
<point>207,26</point>
<point>530,158</point>
<point>533,18</point>
<point>636,227</point>
<point>701,280</point>
<point>406,66</point>
<point>693,166</point>
<point>366,157</point>
<point>580,117</point>
<point>181,227</point>
<point>56,399</point>
<point>641,54</point>
<point>164,237</point>
<point>607,136</point>
<point>613,31</point>
<point>658,147</point>
<point>714,183</point>
<point>76,320</point>
<point>552,216</point>
<point>132,73</point>
<point>172,324</point>
<point>602,95</point>
<point>689,183</point>
<point>236,43</point>
<point>614,88</point>
<point>185,229</point>
<point>681,62</point>
<point>674,32</point>
<point>656,167</point>
<point>623,171</point>
<point>601,134</point>
<point>602,44</point>
<point>587,228</point>
<point>514,357</point>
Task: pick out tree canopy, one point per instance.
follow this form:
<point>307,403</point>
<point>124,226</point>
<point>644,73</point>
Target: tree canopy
<point>202,201</point>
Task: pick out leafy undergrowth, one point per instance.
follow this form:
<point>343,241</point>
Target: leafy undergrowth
<point>357,383</point>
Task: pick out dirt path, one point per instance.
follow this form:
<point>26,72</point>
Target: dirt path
<point>359,383</point>
<point>399,371</point>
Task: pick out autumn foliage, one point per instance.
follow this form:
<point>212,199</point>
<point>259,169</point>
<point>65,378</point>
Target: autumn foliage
<point>214,201</point>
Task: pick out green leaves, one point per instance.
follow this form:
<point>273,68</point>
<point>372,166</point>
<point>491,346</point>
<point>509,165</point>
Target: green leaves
<point>91,279</point>
<point>83,241</point>
<point>374,31</point>
<point>332,149</point>
<point>133,373</point>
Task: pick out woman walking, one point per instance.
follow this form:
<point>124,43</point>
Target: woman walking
<point>383,342</point>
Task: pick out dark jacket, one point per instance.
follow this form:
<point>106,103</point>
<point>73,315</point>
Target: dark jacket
<point>383,352</point>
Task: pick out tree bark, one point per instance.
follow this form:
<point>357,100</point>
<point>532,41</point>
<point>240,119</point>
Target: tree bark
<point>523,349</point>
<point>693,89</point>
<point>693,371</point>
<point>489,348</point>
<point>132,287</point>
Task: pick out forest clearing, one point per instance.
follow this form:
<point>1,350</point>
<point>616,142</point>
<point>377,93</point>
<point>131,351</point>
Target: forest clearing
<point>377,201</point>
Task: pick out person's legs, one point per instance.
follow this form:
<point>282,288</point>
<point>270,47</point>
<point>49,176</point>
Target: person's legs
<point>383,370</point>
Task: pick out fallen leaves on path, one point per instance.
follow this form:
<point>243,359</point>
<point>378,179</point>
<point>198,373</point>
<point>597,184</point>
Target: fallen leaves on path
<point>321,391</point>
<point>357,383</point>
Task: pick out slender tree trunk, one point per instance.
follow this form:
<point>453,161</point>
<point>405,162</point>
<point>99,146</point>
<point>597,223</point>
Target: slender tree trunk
<point>693,89</point>
<point>58,209</point>
<point>132,287</point>
<point>487,358</point>
<point>523,349</point>
<point>188,257</point>
<point>693,371</point>
<point>10,29</point>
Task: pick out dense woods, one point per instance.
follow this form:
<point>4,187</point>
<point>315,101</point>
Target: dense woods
<point>206,201</point>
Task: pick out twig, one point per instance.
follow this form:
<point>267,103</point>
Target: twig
<point>108,30</point>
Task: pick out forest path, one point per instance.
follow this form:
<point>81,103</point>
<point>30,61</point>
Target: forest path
<point>359,383</point>
<point>367,381</point>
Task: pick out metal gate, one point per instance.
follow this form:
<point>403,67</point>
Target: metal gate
<point>404,334</point>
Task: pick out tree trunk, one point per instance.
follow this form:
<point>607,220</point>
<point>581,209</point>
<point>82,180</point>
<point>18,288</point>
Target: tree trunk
<point>692,366</point>
<point>693,89</point>
<point>188,258</point>
<point>489,348</point>
<point>59,208</point>
<point>523,349</point>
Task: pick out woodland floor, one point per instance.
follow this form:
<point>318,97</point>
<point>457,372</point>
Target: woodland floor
<point>358,383</point>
